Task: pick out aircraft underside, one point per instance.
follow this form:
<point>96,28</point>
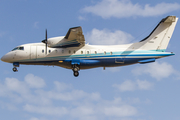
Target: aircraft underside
<point>90,63</point>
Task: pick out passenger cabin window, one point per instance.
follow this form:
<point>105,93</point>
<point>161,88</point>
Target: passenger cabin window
<point>111,53</point>
<point>42,51</point>
<point>49,51</point>
<point>18,48</point>
<point>69,51</point>
<point>95,52</point>
<point>74,51</point>
<point>62,51</point>
<point>87,52</point>
<point>81,52</point>
<point>105,52</point>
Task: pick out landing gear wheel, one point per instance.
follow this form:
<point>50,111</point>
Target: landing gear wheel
<point>15,69</point>
<point>76,73</point>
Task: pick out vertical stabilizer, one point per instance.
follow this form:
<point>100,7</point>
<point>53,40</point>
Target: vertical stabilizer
<point>160,36</point>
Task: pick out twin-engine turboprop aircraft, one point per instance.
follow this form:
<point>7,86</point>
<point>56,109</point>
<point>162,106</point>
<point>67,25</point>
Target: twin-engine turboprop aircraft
<point>71,52</point>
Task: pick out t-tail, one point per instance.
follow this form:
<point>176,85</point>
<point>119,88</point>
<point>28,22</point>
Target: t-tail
<point>159,38</point>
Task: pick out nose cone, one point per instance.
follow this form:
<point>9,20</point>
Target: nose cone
<point>6,58</point>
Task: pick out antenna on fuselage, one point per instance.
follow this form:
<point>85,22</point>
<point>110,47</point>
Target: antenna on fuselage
<point>45,41</point>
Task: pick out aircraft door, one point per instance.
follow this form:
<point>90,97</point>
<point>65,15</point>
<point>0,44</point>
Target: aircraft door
<point>88,53</point>
<point>40,50</point>
<point>33,54</point>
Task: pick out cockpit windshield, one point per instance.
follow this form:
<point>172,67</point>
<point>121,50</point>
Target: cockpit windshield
<point>18,48</point>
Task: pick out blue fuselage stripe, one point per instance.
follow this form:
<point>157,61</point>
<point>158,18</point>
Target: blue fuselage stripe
<point>97,60</point>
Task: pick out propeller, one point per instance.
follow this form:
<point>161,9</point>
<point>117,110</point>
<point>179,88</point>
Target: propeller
<point>45,41</point>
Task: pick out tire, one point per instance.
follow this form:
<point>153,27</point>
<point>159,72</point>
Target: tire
<point>76,73</point>
<point>15,69</point>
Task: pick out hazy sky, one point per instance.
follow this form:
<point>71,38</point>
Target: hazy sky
<point>136,92</point>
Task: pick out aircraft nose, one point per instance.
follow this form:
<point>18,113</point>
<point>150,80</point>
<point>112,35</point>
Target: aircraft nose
<point>5,58</point>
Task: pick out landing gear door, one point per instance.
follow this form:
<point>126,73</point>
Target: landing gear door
<point>33,54</point>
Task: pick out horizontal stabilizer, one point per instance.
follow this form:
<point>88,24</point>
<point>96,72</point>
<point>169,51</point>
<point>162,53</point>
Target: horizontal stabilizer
<point>147,61</point>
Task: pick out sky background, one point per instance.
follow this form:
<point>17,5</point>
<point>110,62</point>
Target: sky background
<point>136,92</point>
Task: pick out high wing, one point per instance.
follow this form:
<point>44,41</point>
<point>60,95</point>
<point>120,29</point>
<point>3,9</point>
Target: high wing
<point>73,38</point>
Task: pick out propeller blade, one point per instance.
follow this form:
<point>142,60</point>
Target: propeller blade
<point>46,34</point>
<point>45,41</point>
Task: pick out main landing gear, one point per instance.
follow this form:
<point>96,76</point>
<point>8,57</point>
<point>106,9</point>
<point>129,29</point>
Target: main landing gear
<point>75,69</point>
<point>15,67</point>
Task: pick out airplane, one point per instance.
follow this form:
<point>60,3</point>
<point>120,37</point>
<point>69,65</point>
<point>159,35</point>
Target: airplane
<point>71,52</point>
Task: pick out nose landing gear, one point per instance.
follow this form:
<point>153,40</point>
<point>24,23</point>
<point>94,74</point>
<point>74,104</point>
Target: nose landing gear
<point>15,67</point>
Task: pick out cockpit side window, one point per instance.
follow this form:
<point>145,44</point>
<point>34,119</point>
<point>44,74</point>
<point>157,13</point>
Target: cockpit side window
<point>21,48</point>
<point>18,48</point>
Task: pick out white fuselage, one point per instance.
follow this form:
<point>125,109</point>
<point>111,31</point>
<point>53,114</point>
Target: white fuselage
<point>108,56</point>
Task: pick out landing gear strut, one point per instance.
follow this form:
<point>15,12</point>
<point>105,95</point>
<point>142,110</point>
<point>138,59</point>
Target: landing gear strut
<point>75,69</point>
